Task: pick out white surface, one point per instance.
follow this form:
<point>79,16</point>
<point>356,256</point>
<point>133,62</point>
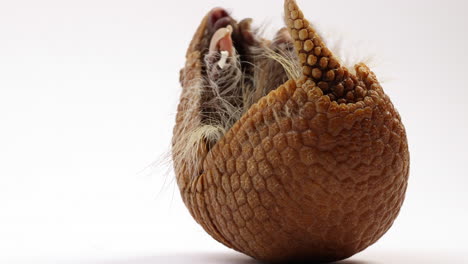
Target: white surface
<point>88,92</point>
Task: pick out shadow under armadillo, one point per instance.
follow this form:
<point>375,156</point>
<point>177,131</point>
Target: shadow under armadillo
<point>207,258</point>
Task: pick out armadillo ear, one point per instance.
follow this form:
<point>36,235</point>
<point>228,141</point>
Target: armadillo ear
<point>317,61</point>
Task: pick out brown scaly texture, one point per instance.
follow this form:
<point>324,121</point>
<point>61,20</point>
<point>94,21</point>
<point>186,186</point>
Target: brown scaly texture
<point>316,170</point>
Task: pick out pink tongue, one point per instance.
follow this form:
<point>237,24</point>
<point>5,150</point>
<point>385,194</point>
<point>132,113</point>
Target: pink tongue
<point>226,44</point>
<point>222,41</point>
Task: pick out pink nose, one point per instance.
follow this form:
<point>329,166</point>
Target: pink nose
<point>216,14</point>
<point>219,18</point>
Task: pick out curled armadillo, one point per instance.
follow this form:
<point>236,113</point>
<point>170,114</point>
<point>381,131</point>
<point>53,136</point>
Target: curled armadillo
<point>280,152</point>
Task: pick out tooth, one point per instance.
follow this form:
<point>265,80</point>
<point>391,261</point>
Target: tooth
<point>223,60</point>
<point>221,40</point>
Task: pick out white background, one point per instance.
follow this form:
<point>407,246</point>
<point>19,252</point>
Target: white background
<point>88,93</point>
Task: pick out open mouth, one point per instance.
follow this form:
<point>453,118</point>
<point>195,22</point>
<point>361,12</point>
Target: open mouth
<point>240,67</point>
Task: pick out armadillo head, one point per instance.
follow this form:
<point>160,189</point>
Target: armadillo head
<point>279,151</point>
